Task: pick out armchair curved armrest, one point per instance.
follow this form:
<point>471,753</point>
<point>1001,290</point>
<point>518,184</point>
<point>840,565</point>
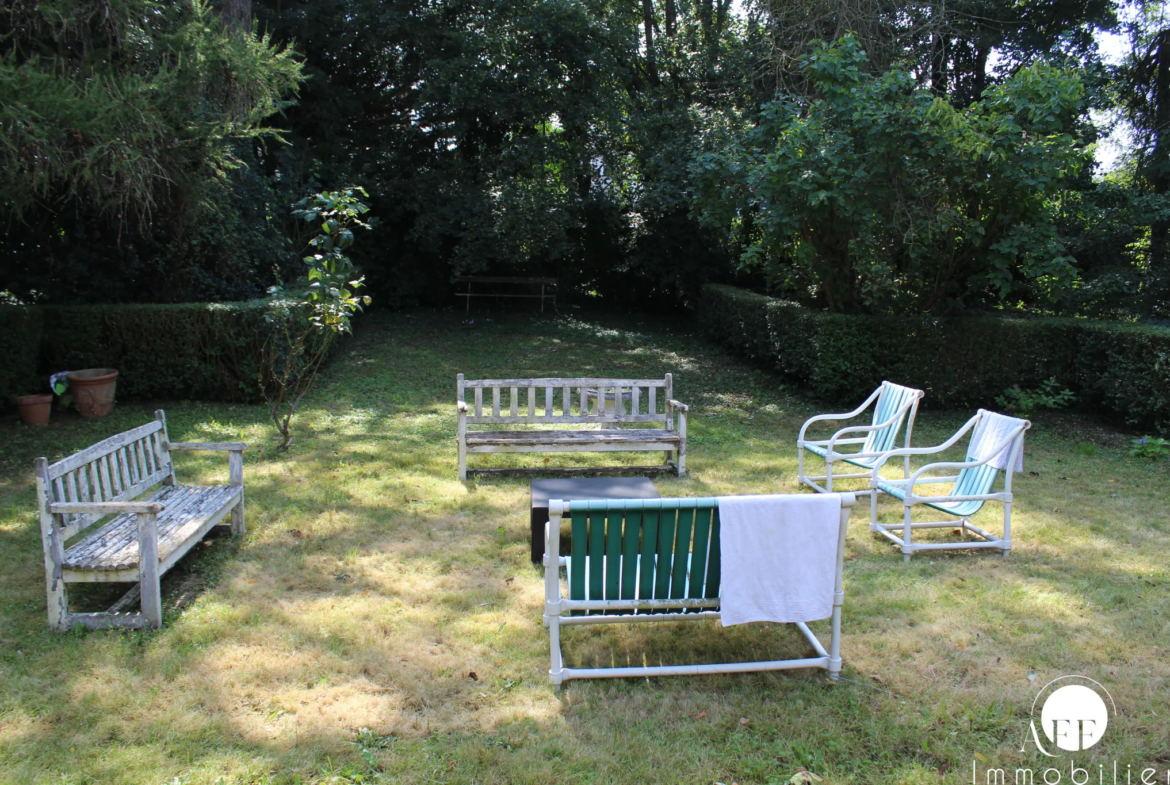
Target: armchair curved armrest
<point>907,451</point>
<point>682,407</point>
<point>867,428</point>
<point>930,467</point>
<point>822,417</point>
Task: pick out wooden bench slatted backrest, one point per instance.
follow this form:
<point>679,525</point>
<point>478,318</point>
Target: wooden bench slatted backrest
<point>116,469</point>
<point>582,400</point>
<point>650,549</point>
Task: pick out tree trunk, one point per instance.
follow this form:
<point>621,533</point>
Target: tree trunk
<point>670,18</point>
<point>648,17</point>
<point>1158,173</point>
<point>939,44</point>
<point>980,82</point>
<point>236,15</point>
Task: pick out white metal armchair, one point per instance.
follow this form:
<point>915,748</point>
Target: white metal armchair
<point>893,405</point>
<point>997,442</point>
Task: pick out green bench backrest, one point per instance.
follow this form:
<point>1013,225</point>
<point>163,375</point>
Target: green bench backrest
<point>893,397</point>
<point>645,549</point>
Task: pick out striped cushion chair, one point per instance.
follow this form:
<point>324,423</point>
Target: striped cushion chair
<point>997,443</point>
<point>892,404</point>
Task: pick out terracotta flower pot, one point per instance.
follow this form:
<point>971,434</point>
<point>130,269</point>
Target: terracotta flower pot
<point>34,409</point>
<point>93,390</point>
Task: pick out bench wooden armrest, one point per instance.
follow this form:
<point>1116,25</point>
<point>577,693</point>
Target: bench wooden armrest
<point>213,446</point>
<point>104,508</point>
<point>682,407</point>
<point>462,407</point>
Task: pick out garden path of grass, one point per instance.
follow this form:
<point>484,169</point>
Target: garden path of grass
<point>336,642</point>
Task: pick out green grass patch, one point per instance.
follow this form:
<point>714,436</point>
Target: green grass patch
<point>335,642</point>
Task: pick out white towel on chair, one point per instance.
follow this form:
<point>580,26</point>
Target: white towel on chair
<point>993,429</point>
<point>779,557</point>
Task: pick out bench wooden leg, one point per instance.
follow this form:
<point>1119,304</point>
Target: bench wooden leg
<point>236,477</point>
<point>238,526</point>
<point>58,600</point>
<point>462,462</point>
<point>148,568</point>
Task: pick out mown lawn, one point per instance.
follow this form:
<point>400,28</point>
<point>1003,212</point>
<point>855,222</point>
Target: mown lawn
<point>335,642</point>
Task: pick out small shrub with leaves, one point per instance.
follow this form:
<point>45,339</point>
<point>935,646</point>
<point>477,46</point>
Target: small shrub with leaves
<point>327,298</point>
<point>1047,396</point>
<point>1150,448</point>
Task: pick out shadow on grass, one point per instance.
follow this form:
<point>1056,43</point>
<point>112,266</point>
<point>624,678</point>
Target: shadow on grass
<point>372,585</point>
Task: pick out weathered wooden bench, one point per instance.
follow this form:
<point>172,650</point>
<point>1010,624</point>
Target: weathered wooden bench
<point>584,401</point>
<point>527,288</point>
<point>144,530</point>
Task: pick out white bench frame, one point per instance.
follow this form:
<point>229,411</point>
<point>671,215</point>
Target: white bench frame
<point>633,611</point>
<point>112,478</point>
<point>604,401</point>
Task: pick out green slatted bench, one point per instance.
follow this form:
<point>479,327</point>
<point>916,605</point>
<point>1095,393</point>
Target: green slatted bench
<point>893,405</point>
<point>648,560</point>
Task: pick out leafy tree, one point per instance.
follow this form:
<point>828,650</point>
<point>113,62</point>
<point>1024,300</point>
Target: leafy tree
<point>1144,95</point>
<point>1107,229</point>
<point>122,124</point>
<point>876,195</point>
<point>535,136</point>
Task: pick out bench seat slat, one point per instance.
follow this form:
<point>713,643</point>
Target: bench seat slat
<point>521,419</point>
<point>114,546</point>
<point>563,382</point>
<point>528,438</point>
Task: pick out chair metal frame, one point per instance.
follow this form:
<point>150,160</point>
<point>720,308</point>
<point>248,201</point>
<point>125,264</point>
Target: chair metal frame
<point>695,605</point>
<point>976,488</point>
<point>907,411</point>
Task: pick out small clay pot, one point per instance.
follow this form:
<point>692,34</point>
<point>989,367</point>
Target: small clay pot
<point>34,409</point>
<point>93,390</point>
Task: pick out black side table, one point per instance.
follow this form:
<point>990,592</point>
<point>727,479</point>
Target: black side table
<point>584,488</point>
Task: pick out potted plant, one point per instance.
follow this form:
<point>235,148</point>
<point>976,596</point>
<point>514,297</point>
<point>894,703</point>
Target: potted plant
<point>93,390</point>
<point>34,409</point>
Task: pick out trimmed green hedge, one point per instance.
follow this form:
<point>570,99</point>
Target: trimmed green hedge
<point>1117,369</point>
<point>20,335</point>
<point>200,351</point>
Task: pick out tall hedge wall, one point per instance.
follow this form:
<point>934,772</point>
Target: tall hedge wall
<point>1119,370</point>
<point>20,336</point>
<point>201,351</point>
<point>193,350</point>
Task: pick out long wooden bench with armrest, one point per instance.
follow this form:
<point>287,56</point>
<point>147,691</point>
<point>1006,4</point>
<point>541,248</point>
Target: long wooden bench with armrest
<point>113,513</point>
<point>585,402</point>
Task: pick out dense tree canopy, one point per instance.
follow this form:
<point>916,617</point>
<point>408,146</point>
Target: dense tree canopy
<point>119,122</point>
<point>936,159</point>
<point>877,195</point>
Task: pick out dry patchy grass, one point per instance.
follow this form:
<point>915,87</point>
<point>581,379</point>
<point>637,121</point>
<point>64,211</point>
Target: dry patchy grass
<point>336,642</point>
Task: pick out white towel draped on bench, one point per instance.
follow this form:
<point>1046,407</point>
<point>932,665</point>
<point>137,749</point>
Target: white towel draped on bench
<point>779,557</point>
